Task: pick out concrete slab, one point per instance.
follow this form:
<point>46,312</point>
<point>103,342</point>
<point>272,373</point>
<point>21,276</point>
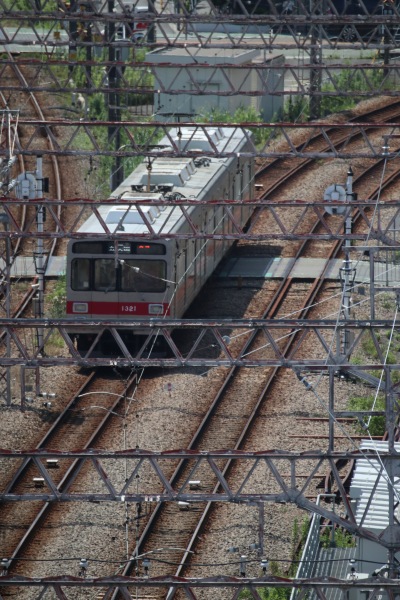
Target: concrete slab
<point>386,274</point>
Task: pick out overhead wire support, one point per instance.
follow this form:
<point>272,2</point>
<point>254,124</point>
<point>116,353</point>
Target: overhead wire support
<point>320,332</point>
<point>87,128</point>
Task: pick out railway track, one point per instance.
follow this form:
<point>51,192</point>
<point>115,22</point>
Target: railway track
<point>211,436</point>
<point>21,302</point>
<point>38,112</point>
<point>154,532</point>
<point>80,424</point>
<point>273,173</point>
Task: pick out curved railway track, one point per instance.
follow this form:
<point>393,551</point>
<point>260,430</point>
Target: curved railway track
<point>39,113</point>
<point>210,436</point>
<point>279,170</point>
<point>154,534</point>
<point>72,428</point>
<point>19,215</point>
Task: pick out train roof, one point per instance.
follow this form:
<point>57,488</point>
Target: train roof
<point>168,177</point>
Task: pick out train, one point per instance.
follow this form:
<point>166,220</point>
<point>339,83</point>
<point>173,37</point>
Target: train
<point>129,274</point>
<point>356,10</point>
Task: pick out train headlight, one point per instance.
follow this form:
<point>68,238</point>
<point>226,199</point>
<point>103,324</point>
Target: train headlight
<point>156,309</point>
<point>80,307</point>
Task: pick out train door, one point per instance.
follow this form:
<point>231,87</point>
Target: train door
<point>104,286</point>
<point>197,263</point>
<point>208,247</point>
<point>237,193</point>
<point>143,275</point>
<point>180,276</point>
<point>190,269</point>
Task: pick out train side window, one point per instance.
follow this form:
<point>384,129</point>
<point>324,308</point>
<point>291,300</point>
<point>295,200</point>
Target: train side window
<point>80,274</point>
<point>143,276</point>
<point>105,274</point>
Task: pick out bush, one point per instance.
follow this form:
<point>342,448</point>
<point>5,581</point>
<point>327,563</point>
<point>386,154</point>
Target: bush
<point>343,539</point>
<point>58,297</point>
<point>377,425</point>
<point>348,80</point>
<point>241,115</point>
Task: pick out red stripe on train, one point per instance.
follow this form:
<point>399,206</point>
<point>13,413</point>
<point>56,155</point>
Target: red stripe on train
<point>119,309</point>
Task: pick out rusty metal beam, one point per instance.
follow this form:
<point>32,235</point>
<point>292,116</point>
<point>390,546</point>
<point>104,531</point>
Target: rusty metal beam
<point>381,227</point>
<point>220,349</point>
<point>229,584</point>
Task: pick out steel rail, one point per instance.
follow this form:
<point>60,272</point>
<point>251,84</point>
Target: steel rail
<point>21,160</point>
<point>392,110</point>
<point>310,298</point>
<point>74,468</point>
<point>269,313</point>
<point>307,305</point>
<point>54,159</point>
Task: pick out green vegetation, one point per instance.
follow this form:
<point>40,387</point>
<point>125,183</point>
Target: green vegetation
<point>294,111</point>
<point>348,80</point>
<point>343,539</point>
<point>332,100</point>
<point>377,424</point>
<point>297,108</point>
<point>97,110</point>
<point>57,298</point>
<point>241,115</point>
<point>53,343</point>
<point>299,536</point>
<point>388,302</point>
<point>270,593</point>
<point>369,347</point>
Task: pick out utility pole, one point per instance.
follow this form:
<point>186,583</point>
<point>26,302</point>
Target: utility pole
<point>114,112</point>
<point>29,187</point>
<point>388,11</point>
<point>315,66</point>
<point>73,34</point>
<point>347,273</point>
<point>6,290</point>
<point>39,257</point>
<point>6,185</point>
<point>315,73</point>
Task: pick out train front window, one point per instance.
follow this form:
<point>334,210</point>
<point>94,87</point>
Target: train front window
<point>105,278</point>
<point>143,276</point>
<point>80,274</point>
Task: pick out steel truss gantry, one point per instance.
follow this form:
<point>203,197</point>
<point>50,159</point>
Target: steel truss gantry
<point>128,587</point>
<point>208,343</point>
<point>68,36</point>
<point>68,144</point>
<point>277,486</point>
<point>174,22</point>
<point>45,78</point>
<point>379,220</point>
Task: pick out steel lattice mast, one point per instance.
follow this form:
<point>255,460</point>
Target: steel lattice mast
<point>71,32</point>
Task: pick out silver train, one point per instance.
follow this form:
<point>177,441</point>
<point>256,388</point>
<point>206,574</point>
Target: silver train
<point>158,277</point>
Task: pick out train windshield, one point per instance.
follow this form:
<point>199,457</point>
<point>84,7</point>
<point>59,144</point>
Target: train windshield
<point>80,274</point>
<point>131,275</point>
<point>105,275</point>
<point>143,276</point>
